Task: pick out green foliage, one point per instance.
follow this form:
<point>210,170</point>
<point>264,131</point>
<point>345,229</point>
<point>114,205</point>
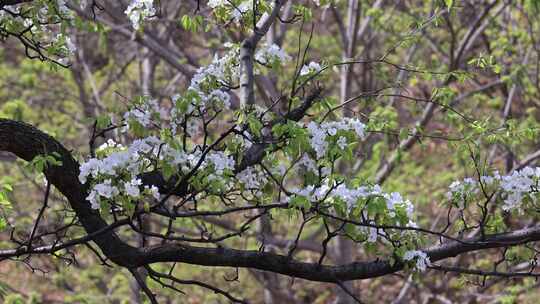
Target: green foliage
<point>43,162</point>
<point>14,299</point>
<point>192,23</point>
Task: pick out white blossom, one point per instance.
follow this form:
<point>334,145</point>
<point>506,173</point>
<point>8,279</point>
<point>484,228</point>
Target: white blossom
<point>220,161</point>
<point>514,187</point>
<point>269,53</point>
<point>252,178</point>
<point>154,191</point>
<point>221,96</point>
<point>110,143</point>
<point>460,189</point>
<point>106,190</point>
<point>70,45</point>
<point>92,198</point>
<point>89,168</point>
<point>320,132</point>
<point>312,67</point>
<point>342,142</point>
<point>392,200</point>
<point>239,10</point>
<point>422,259</point>
<point>208,80</point>
<point>371,232</point>
<point>217,3</point>
<point>139,10</point>
<point>518,185</point>
<point>132,187</point>
<point>142,117</point>
<point>308,163</point>
<point>131,159</point>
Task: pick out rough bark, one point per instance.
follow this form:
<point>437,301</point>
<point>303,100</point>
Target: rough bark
<point>27,142</point>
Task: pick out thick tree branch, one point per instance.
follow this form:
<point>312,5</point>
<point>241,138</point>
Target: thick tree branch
<point>323,273</point>
<point>27,142</point>
<point>12,2</point>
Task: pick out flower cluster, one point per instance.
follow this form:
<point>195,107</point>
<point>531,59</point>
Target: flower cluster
<point>236,12</point>
<point>311,68</point>
<point>108,145</point>
<point>515,189</point>
<point>67,46</point>
<point>320,133</point>
<point>61,8</point>
<point>143,112</point>
<point>224,70</point>
<point>269,54</point>
<point>241,9</point>
<point>391,207</point>
<point>117,173</point>
<point>459,190</point>
<point>208,80</point>
<point>252,178</point>
<point>371,232</point>
<point>520,185</point>
<point>220,162</point>
<point>217,3</point>
<point>309,164</point>
<point>394,202</point>
<point>36,22</point>
<point>422,259</point>
<point>139,10</point>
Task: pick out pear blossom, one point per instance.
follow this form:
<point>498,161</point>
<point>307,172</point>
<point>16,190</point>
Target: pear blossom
<point>308,163</point>
<point>252,178</point>
<point>312,67</point>
<point>221,96</point>
<point>132,187</point>
<point>217,3</point>
<point>110,143</point>
<point>242,8</point>
<point>269,53</point>
<point>518,185</point>
<point>514,187</point>
<point>62,7</point>
<point>342,142</point>
<point>139,10</point>
<point>105,189</point>
<point>154,191</point>
<point>422,259</point>
<point>69,46</point>
<point>372,233</point>
<point>320,132</point>
<point>220,161</point>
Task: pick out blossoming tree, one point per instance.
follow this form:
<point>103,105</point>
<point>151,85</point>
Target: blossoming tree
<point>252,163</point>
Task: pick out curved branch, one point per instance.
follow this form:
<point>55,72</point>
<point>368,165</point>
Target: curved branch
<point>325,273</point>
<point>27,142</point>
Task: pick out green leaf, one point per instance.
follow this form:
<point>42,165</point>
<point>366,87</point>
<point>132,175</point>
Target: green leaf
<point>403,134</point>
<point>3,224</point>
<point>192,24</point>
<point>300,202</point>
<point>103,121</point>
<point>255,125</point>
